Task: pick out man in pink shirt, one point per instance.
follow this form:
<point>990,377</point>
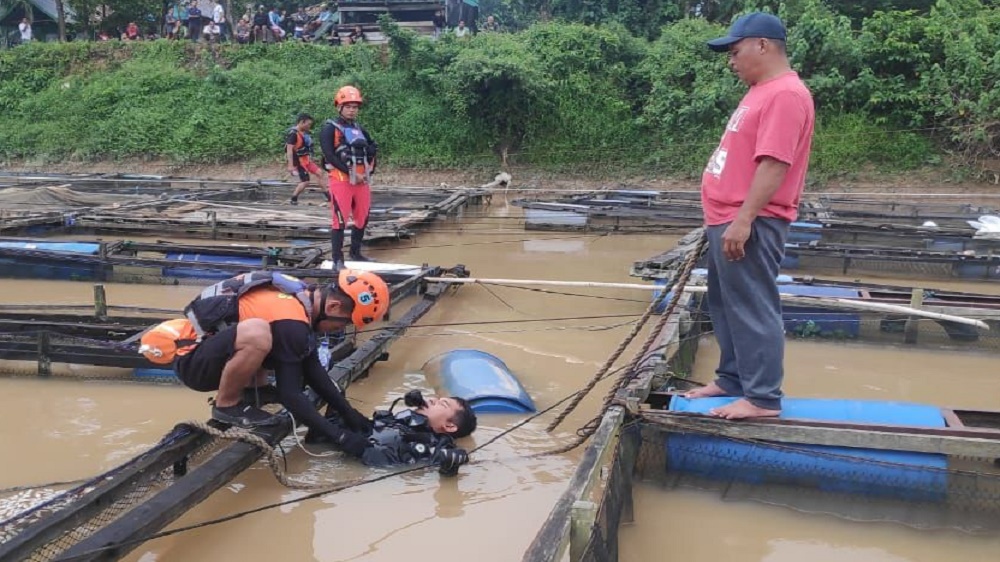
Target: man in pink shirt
<point>750,193</point>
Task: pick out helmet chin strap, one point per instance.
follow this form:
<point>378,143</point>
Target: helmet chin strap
<point>321,313</point>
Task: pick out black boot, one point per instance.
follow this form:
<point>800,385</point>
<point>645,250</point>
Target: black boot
<point>357,235</point>
<point>337,248</point>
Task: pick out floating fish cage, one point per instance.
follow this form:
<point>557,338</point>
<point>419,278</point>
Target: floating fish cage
<point>923,264</point>
<point>99,341</point>
<point>851,220</point>
<point>959,240</point>
<point>875,211</point>
<point>137,206</point>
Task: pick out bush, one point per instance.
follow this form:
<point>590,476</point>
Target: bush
<point>591,97</point>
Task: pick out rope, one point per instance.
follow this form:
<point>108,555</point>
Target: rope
<point>629,373</point>
<point>271,457</point>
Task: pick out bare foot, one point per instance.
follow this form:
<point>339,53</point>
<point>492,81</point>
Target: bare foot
<point>706,391</point>
<point>743,409</point>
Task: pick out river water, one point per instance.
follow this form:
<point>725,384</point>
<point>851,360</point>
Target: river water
<point>63,429</point>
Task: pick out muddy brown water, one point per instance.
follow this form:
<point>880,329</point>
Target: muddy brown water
<point>65,429</point>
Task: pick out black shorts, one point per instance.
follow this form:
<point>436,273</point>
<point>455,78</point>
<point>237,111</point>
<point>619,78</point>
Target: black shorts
<point>201,369</point>
<point>303,173</point>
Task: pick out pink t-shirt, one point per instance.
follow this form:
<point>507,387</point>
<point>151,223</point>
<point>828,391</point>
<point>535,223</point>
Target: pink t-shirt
<point>775,118</point>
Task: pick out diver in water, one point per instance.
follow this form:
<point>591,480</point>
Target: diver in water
<point>424,432</point>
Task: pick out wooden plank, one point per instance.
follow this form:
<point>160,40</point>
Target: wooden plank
<point>583,514</point>
<point>553,537</point>
<point>912,327</point>
<point>965,441</point>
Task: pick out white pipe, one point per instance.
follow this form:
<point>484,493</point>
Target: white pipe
<point>801,299</point>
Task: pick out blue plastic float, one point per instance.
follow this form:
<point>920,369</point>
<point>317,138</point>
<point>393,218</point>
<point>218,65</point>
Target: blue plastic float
<point>27,267</point>
<point>914,476</point>
<point>816,318</point>
<point>482,379</point>
<point>805,232</point>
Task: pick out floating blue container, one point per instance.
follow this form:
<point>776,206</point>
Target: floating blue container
<point>972,270</point>
<point>809,320</point>
<point>153,373</point>
<point>913,476</point>
<point>805,232</point>
<point>945,245</point>
<point>28,267</point>
<point>208,259</point>
<point>482,379</point>
<point>791,259</point>
<point>657,292</point>
<point>84,248</point>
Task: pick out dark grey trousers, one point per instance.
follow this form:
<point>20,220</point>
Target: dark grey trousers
<point>746,313</point>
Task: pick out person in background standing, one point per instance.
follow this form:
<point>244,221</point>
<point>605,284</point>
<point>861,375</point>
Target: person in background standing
<point>219,17</point>
<point>25,28</point>
<point>194,22</point>
<point>439,23</point>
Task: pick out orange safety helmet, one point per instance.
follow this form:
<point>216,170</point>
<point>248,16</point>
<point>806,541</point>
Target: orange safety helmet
<point>168,340</point>
<point>369,293</point>
<point>347,94</point>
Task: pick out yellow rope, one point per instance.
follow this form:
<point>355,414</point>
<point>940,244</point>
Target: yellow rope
<point>629,373</point>
<point>270,455</point>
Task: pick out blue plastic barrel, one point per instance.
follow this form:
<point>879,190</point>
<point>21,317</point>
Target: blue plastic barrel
<point>29,267</point>
<point>916,476</point>
<point>791,259</point>
<point>203,272</point>
<point>816,320</point>
<point>977,270</point>
<point>482,379</point>
<point>805,232</point>
<point>153,373</point>
<point>85,248</point>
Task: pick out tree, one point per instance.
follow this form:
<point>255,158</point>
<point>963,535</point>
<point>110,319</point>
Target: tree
<point>61,18</point>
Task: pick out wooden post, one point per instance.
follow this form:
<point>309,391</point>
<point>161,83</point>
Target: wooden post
<point>912,326</point>
<point>213,221</point>
<point>44,362</point>
<point>100,302</point>
<point>582,518</point>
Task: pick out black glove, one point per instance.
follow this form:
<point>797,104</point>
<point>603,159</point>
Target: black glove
<point>414,399</point>
<point>448,460</point>
<point>358,422</point>
<point>353,443</point>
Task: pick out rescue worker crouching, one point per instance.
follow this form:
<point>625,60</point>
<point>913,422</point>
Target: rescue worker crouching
<point>349,156</point>
<point>423,433</point>
<point>263,320</point>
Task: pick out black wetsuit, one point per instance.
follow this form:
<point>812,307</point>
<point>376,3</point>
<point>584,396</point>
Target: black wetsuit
<point>402,438</point>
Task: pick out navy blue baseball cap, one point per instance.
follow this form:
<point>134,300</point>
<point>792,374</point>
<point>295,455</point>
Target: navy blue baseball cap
<point>757,24</point>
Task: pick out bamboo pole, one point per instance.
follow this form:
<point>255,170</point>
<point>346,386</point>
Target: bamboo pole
<point>797,299</point>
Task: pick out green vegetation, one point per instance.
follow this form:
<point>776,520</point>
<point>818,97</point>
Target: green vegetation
<point>893,91</point>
